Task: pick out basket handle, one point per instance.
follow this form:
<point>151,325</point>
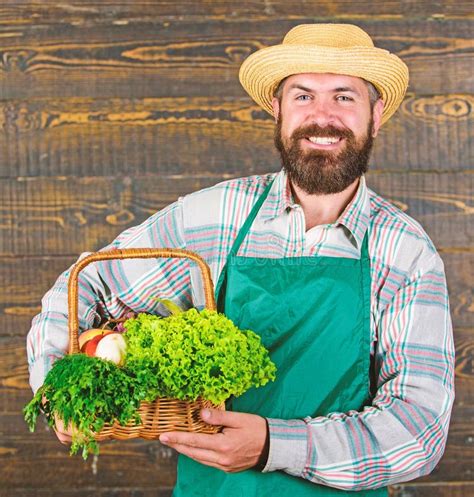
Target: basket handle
<point>143,253</point>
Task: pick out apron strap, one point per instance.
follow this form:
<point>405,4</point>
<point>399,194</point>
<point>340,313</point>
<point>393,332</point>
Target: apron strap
<point>237,243</point>
<point>250,219</point>
<point>364,250</point>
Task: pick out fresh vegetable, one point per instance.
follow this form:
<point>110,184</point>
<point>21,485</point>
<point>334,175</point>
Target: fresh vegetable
<point>112,348</point>
<point>86,392</point>
<point>185,355</point>
<point>195,354</point>
<point>93,333</point>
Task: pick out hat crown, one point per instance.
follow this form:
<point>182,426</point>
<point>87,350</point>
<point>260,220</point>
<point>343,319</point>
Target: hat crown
<point>328,35</point>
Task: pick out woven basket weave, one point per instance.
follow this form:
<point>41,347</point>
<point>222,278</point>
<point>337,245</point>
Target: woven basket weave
<point>163,414</point>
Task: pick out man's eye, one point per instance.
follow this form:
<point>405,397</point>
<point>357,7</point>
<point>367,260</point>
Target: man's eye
<point>303,97</point>
<point>343,98</point>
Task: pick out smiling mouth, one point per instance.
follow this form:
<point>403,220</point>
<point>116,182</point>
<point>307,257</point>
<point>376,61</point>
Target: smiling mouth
<point>324,140</point>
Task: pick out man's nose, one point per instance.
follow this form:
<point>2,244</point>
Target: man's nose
<point>321,113</point>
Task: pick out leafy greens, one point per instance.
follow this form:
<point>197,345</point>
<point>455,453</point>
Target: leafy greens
<point>195,354</point>
<point>87,393</point>
<point>184,356</point>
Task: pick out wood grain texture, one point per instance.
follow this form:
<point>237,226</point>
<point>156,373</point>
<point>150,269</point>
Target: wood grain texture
<point>419,490</point>
<point>114,11</point>
<point>95,137</point>
<point>133,461</point>
<point>457,489</point>
<point>88,491</point>
<point>185,57</point>
<point>58,216</point>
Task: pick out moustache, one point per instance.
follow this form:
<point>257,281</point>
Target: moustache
<point>316,130</point>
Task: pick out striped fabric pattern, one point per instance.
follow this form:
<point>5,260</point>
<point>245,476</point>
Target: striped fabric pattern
<point>400,436</point>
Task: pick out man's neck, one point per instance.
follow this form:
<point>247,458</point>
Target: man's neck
<point>324,209</point>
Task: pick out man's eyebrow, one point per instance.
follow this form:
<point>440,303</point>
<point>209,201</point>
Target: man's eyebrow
<point>297,86</point>
<point>346,89</point>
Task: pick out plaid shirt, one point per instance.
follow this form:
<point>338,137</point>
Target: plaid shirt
<point>400,436</point>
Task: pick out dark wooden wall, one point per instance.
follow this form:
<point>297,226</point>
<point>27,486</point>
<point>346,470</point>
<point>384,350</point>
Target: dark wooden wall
<point>111,109</point>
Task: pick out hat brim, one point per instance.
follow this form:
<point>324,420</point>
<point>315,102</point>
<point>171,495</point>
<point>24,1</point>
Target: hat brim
<point>262,71</point>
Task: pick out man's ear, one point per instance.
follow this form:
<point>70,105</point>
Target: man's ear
<point>377,116</point>
<point>276,108</point>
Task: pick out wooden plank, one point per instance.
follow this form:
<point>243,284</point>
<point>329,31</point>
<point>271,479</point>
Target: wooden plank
<point>433,200</point>
<point>97,490</point>
<point>420,136</point>
<point>94,137</point>
<point>91,137</point>
<point>119,464</point>
<point>59,215</point>
<point>114,11</point>
<point>65,216</point>
<point>438,489</point>
<point>186,57</point>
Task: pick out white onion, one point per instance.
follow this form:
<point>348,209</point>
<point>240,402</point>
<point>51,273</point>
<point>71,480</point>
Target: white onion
<point>112,348</point>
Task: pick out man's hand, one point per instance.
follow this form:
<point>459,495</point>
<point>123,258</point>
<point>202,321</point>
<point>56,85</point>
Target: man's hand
<point>241,445</point>
<point>64,434</point>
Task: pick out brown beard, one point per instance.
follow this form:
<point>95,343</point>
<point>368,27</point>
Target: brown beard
<point>320,171</point>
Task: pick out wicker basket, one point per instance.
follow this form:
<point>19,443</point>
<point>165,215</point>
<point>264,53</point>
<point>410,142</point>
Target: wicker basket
<point>163,414</point>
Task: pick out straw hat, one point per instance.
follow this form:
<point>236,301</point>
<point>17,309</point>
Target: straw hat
<point>325,48</point>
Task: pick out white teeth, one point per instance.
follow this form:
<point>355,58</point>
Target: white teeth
<point>323,140</point>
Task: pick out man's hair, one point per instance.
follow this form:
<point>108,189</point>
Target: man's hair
<point>374,94</point>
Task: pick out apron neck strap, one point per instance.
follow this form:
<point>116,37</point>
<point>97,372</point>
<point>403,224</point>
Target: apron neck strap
<point>364,250</point>
<point>250,219</point>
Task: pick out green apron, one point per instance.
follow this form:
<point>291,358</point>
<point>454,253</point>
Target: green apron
<point>313,314</point>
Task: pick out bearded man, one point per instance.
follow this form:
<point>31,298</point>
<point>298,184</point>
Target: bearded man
<point>346,291</point>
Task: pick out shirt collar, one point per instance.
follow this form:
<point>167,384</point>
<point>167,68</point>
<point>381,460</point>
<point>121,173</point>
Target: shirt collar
<point>355,217</point>
<point>280,198</point>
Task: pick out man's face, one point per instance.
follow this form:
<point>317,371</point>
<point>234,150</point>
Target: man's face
<point>325,130</point>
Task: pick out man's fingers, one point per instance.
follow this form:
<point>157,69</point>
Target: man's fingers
<point>64,434</point>
<point>239,446</point>
<point>230,419</point>
<point>64,438</point>
<point>204,456</point>
<point>200,440</point>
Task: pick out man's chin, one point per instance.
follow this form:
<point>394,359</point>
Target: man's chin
<point>321,161</point>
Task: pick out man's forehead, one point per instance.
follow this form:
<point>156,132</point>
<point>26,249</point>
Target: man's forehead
<point>326,80</point>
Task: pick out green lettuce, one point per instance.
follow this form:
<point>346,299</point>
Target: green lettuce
<point>195,354</point>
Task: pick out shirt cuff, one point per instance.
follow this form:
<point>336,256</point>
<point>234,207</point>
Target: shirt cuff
<point>37,375</point>
<point>288,446</point>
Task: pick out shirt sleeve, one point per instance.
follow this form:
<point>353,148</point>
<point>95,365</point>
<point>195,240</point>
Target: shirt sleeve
<point>402,434</point>
<point>111,289</point>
